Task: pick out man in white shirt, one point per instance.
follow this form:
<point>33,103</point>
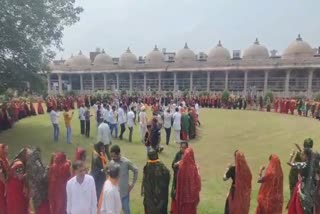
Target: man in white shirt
<point>122,121</point>
<point>54,116</point>
<point>143,122</point>
<point>113,121</point>
<point>110,200</point>
<point>104,136</point>
<point>177,124</point>
<point>131,121</point>
<point>81,192</point>
<point>167,123</point>
<point>82,119</point>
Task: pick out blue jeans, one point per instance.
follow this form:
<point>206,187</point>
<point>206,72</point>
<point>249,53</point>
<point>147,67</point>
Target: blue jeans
<point>69,135</point>
<point>126,204</point>
<point>56,132</point>
<point>115,128</point>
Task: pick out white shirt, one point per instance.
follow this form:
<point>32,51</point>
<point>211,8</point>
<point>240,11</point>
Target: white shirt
<point>54,117</point>
<point>167,120</point>
<point>104,114</point>
<point>81,113</point>
<point>113,117</point>
<point>81,198</point>
<point>104,134</point>
<point>111,203</point>
<point>143,118</point>
<point>177,121</point>
<point>196,106</point>
<point>121,116</point>
<point>131,117</point>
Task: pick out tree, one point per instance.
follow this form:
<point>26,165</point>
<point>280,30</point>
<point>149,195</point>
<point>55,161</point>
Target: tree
<point>30,30</point>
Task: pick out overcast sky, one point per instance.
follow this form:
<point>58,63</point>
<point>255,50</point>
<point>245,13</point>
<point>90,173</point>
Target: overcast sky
<point>116,24</point>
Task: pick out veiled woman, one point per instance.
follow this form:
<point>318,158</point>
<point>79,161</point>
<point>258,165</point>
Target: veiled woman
<point>302,201</point>
<point>270,198</point>
<point>188,184</point>
<point>98,166</point>
<point>59,174</point>
<point>238,201</point>
<point>4,172</point>
<point>155,185</point>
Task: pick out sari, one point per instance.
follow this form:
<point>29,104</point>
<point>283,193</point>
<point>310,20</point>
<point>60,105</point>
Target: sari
<point>239,201</point>
<point>185,124</point>
<point>188,184</point>
<point>4,168</point>
<point>270,199</point>
<point>40,108</point>
<point>155,186</point>
<point>59,174</point>
<point>17,194</point>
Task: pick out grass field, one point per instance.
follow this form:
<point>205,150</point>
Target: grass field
<point>257,134</point>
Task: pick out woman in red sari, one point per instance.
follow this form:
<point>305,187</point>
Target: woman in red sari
<point>81,154</point>
<point>4,170</point>
<point>40,107</point>
<point>17,194</point>
<point>32,109</point>
<point>270,199</point>
<point>59,174</point>
<point>238,200</point>
<point>188,184</point>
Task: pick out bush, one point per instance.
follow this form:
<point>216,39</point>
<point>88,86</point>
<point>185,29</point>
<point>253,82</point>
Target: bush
<point>269,95</point>
<point>317,97</point>
<point>225,96</point>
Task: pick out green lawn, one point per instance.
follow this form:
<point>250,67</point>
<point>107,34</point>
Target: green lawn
<point>257,134</point>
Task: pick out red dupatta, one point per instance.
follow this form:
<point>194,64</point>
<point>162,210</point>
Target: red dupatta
<point>188,182</point>
<point>241,201</point>
<point>270,199</point>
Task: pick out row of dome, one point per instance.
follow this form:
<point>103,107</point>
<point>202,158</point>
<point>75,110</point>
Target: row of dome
<point>296,49</point>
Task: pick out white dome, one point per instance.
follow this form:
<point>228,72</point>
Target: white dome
<point>102,59</point>
<point>185,54</point>
<point>80,61</point>
<point>298,49</point>
<point>68,62</point>
<point>218,53</point>
<point>256,51</point>
<point>127,58</point>
<point>155,57</point>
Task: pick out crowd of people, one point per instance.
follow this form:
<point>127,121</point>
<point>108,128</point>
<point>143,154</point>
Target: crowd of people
<point>26,184</point>
<point>104,187</point>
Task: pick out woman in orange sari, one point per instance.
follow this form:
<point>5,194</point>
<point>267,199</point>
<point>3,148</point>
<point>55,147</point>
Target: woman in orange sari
<point>238,200</point>
<point>270,199</point>
<point>4,170</point>
<point>188,184</point>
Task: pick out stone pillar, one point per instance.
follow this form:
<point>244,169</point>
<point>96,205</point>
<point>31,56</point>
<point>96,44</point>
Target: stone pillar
<point>208,81</point>
<point>175,82</point>
<point>92,82</point>
<point>191,81</point>
<point>145,83</point>
<point>245,84</point>
<point>70,81</point>
<point>81,83</point>
<point>265,85</point>
<point>49,83</point>
<point>60,83</point>
<point>130,83</point>
<point>287,82</point>
<point>226,80</point>
<point>310,77</point>
<point>159,82</point>
<point>117,79</point>
<point>105,82</point>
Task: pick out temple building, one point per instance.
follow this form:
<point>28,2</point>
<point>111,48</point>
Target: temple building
<point>295,72</point>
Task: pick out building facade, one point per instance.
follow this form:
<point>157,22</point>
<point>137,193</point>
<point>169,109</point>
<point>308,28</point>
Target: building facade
<point>295,72</point>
